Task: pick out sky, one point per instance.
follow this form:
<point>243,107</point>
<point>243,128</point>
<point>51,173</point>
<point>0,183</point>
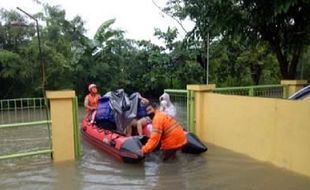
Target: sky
<point>137,18</point>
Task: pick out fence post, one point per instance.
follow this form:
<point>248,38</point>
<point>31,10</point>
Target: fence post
<point>196,111</point>
<point>251,91</point>
<point>292,86</point>
<point>190,110</point>
<point>77,147</point>
<point>62,116</point>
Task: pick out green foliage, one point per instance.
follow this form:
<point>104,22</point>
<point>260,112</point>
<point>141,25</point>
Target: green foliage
<point>72,61</point>
<point>9,62</point>
<point>168,37</point>
<point>284,25</point>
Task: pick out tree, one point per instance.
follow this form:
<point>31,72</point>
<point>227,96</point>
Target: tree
<point>16,66</point>
<point>284,25</point>
<point>64,46</point>
<point>180,67</point>
<point>260,61</point>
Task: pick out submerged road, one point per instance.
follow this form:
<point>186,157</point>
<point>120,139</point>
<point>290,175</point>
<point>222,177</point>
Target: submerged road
<point>216,169</point>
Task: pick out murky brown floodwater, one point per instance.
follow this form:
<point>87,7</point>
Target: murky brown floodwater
<point>217,169</point>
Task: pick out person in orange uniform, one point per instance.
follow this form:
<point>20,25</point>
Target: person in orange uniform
<point>91,100</point>
<point>165,130</point>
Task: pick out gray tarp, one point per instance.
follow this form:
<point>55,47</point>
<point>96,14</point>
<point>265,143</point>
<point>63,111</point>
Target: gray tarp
<point>124,107</point>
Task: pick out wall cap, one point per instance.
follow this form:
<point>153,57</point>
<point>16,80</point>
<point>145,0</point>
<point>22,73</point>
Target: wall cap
<point>200,87</point>
<point>294,82</point>
<point>60,94</point>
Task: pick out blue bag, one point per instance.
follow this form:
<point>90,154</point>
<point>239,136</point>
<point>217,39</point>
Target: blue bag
<point>104,111</point>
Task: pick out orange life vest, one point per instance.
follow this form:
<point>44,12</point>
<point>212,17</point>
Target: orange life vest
<point>167,131</point>
<point>92,101</point>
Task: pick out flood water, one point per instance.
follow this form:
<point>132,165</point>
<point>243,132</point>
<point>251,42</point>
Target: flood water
<point>216,169</point>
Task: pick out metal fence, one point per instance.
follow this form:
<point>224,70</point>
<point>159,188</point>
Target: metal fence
<point>16,139</point>
<point>22,110</point>
<point>268,91</point>
<point>179,99</point>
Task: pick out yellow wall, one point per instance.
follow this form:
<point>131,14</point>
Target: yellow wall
<point>273,130</point>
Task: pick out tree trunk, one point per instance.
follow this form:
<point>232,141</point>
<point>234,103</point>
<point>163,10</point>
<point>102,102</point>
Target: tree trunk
<point>256,71</point>
<point>288,69</point>
<point>283,63</point>
<point>294,63</point>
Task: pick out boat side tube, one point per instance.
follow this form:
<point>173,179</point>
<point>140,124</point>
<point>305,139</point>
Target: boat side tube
<point>131,150</point>
<point>193,145</point>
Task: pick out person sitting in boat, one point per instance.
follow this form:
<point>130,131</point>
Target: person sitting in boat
<point>91,100</point>
<point>166,131</point>
<point>166,105</point>
<point>142,119</point>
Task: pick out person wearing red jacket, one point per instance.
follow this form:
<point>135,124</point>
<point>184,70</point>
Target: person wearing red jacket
<point>166,131</point>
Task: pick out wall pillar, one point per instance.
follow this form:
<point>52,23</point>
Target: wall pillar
<point>61,104</point>
<point>197,110</point>
<point>292,86</point>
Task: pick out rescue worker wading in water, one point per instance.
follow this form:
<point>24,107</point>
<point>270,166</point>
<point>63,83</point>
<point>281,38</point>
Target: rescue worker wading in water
<point>166,131</point>
<point>91,100</point>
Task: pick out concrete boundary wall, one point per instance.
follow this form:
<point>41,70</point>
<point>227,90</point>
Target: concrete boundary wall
<point>271,130</point>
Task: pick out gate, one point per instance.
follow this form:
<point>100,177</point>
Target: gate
<point>17,116</point>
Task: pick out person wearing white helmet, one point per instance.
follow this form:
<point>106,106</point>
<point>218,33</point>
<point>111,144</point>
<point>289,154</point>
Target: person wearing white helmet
<point>91,99</point>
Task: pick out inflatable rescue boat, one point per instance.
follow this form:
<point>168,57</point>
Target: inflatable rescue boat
<point>128,148</point>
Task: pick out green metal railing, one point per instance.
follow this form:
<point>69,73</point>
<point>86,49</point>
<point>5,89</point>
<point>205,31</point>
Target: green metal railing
<point>20,113</point>
<point>270,91</point>
<point>179,99</point>
<point>76,128</point>
<point>22,110</point>
<point>191,111</point>
<point>26,112</point>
